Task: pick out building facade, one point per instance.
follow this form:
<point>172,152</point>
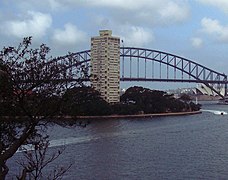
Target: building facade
<point>105,66</point>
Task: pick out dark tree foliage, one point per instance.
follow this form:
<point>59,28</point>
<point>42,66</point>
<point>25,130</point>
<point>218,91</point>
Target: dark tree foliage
<point>124,109</point>
<point>31,86</point>
<point>80,101</point>
<point>85,101</point>
<point>185,98</point>
<point>188,102</point>
<point>153,101</point>
<point>194,107</point>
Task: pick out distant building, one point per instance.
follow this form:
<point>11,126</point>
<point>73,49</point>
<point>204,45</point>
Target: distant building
<point>105,66</point>
<point>202,89</point>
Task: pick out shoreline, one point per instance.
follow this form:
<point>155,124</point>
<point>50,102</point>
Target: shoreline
<point>115,116</point>
<point>134,115</point>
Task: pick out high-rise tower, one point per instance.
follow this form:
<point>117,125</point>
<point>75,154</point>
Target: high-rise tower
<point>105,66</point>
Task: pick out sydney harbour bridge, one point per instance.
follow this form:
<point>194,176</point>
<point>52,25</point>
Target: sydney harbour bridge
<point>147,65</point>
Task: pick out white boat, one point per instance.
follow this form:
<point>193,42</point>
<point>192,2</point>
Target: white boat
<point>217,112</point>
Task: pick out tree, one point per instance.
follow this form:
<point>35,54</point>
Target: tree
<point>31,86</point>
<point>185,98</point>
<point>36,161</point>
<point>147,100</point>
<point>154,101</point>
<point>80,101</point>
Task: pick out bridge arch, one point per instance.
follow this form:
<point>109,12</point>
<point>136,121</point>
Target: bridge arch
<point>196,72</point>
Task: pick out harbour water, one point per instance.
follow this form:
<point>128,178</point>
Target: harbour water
<point>181,147</point>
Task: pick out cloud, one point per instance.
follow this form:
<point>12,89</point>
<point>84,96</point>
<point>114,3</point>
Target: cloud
<point>33,24</point>
<point>221,4</point>
<point>70,35</point>
<point>34,4</point>
<point>54,4</point>
<point>137,36</point>
<point>152,12</point>
<point>197,42</point>
<point>214,28</point>
<point>173,12</point>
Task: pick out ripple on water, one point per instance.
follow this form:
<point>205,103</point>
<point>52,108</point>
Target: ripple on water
<point>183,147</point>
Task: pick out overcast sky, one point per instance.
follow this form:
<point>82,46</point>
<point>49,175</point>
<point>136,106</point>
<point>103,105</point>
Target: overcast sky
<point>195,29</point>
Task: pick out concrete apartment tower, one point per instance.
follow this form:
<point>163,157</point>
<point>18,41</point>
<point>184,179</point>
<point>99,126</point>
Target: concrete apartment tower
<point>105,65</point>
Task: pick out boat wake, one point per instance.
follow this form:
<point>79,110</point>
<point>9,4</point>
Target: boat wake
<point>60,142</point>
<point>83,139</point>
<point>215,111</point>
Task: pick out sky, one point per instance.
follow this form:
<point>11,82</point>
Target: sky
<point>194,29</point>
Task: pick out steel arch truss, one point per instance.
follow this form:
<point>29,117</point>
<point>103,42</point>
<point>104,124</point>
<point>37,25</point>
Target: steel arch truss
<point>76,66</point>
<point>139,64</point>
<point>171,68</point>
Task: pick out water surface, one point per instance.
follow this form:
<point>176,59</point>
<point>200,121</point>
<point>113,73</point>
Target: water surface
<point>181,147</point>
